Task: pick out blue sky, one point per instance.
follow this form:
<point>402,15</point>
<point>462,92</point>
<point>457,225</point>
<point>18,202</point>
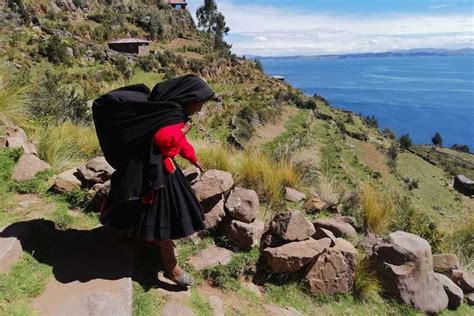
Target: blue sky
<point>288,27</point>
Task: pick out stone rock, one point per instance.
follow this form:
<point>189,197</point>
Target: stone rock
<point>172,291</point>
<point>271,240</point>
<point>404,264</point>
<point>295,255</point>
<point>336,226</point>
<point>14,142</point>
<point>281,311</point>
<point>176,309</point>
<point>464,280</point>
<point>445,263</point>
<point>217,305</point>
<point>291,226</point>
<point>243,235</point>
<point>69,52</point>
<point>463,185</point>
<point>469,299</point>
<point>324,233</point>
<point>455,294</point>
<point>333,271</point>
<point>27,167</point>
<point>242,205</point>
<point>192,174</point>
<point>10,252</point>
<point>97,194</point>
<point>212,183</point>
<point>315,204</point>
<point>215,215</point>
<point>30,149</point>
<point>95,171</point>
<point>293,195</point>
<point>368,243</point>
<point>211,257</point>
<point>15,131</point>
<point>67,5</point>
<point>67,181</point>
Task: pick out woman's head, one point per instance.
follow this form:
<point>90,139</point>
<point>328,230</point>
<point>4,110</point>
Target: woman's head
<point>190,91</point>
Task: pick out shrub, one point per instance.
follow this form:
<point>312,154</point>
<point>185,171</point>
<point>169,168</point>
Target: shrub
<point>437,140</point>
<point>417,222</point>
<point>372,121</point>
<point>461,148</point>
<point>405,142</point>
<point>389,133</point>
<point>55,50</point>
<point>258,65</point>
<point>461,241</point>
<point>377,210</point>
<point>148,63</point>
<point>122,64</point>
<point>392,155</point>
<point>51,101</point>
<point>151,23</point>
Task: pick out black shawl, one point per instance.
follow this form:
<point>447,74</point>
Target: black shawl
<point>126,120</point>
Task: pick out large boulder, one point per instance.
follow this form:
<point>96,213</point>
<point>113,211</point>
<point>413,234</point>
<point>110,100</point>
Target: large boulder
<point>212,183</point>
<point>333,271</point>
<point>337,226</point>
<point>445,263</point>
<point>295,255</point>
<point>243,235</point>
<point>404,264</point>
<point>293,195</point>
<point>324,233</point>
<point>454,292</point>
<point>463,185</point>
<point>67,181</point>
<point>291,226</point>
<point>242,205</point>
<point>28,166</point>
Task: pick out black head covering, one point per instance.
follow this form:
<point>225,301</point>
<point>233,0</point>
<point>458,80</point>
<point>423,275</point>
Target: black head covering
<point>125,122</point>
<point>182,90</point>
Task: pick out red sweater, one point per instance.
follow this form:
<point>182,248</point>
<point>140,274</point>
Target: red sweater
<point>171,141</point>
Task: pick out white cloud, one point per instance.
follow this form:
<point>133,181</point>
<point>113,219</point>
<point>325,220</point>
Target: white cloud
<point>266,30</point>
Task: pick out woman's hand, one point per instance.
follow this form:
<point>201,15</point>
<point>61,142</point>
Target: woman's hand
<point>200,166</point>
<point>187,127</point>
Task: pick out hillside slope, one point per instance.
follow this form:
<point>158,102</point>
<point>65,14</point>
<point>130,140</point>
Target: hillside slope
<point>269,135</point>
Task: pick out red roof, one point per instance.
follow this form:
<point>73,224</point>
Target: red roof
<point>129,41</point>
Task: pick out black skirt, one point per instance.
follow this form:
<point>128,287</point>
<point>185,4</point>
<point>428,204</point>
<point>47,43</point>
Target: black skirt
<point>175,212</point>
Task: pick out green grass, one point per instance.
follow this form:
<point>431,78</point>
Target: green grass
<point>26,280</point>
<point>146,303</point>
<point>199,303</point>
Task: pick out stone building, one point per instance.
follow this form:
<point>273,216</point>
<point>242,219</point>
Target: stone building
<point>131,46</point>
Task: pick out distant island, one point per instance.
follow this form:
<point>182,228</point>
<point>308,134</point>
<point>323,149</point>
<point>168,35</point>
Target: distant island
<point>397,53</point>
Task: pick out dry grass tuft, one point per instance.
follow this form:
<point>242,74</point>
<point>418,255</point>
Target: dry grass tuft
<point>12,103</point>
<point>67,144</point>
<point>378,211</point>
<point>367,287</point>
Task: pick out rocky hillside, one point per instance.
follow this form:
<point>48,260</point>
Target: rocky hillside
<point>309,209</point>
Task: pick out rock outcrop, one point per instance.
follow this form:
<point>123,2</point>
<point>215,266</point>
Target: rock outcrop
<point>243,235</point>
<point>405,266</point>
<point>293,195</point>
<point>291,226</point>
<point>212,183</point>
<point>242,205</point>
<point>464,185</point>
<point>338,226</point>
<point>333,271</point>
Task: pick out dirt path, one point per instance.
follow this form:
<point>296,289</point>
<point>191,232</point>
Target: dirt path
<point>269,131</point>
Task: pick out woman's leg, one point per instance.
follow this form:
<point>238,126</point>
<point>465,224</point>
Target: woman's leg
<point>170,264</point>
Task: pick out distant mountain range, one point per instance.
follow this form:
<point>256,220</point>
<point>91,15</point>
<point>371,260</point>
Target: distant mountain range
<point>408,52</point>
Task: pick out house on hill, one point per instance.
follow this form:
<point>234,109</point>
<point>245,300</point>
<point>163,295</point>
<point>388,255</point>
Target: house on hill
<point>131,46</point>
<point>176,3</point>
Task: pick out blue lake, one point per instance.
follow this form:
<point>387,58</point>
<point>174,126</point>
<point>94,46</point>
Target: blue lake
<point>418,95</point>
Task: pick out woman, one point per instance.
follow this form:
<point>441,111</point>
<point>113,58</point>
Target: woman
<point>140,134</point>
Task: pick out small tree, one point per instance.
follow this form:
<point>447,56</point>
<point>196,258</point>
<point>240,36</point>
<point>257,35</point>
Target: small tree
<point>461,147</point>
<point>437,140</point>
<point>405,142</point>
<point>213,23</point>
<point>392,155</point>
